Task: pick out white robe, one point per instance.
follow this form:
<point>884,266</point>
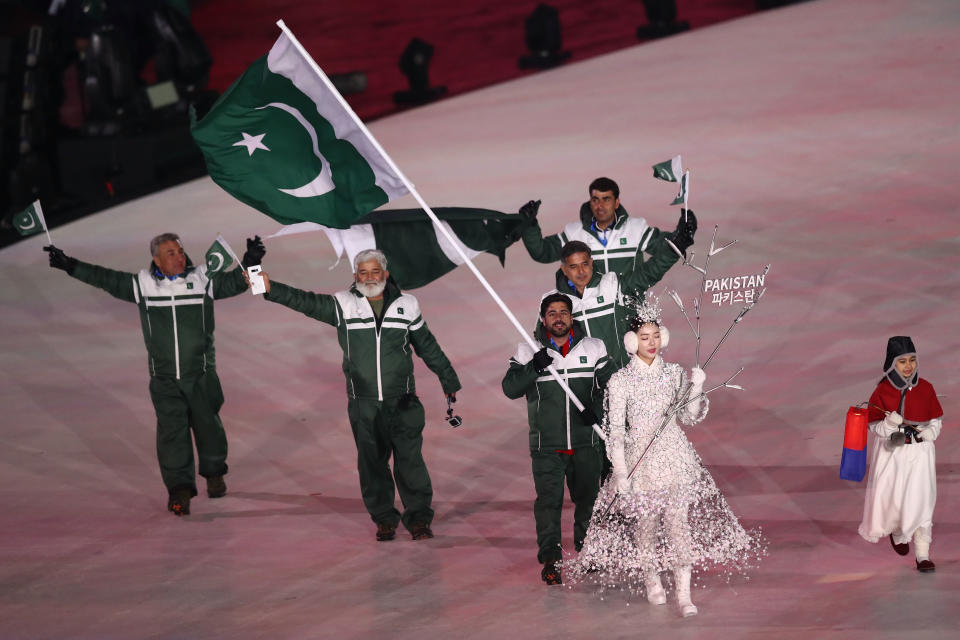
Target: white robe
<point>674,515</point>
<point>901,485</point>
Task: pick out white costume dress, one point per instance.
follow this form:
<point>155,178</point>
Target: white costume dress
<point>674,515</point>
<point>902,481</point>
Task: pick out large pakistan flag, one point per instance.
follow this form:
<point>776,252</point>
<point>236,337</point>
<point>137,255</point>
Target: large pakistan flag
<point>281,141</point>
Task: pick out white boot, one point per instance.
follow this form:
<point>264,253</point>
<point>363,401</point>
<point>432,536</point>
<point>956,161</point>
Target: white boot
<point>655,592</point>
<point>921,545</point>
<point>687,608</point>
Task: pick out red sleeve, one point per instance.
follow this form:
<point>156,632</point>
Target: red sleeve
<point>876,402</point>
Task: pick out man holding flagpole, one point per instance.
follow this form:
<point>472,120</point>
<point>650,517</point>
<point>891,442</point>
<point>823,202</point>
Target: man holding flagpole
<point>175,300</point>
<point>376,325</point>
<point>617,241</point>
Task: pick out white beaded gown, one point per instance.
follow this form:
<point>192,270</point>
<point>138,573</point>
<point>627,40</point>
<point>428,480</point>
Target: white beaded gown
<point>674,514</point>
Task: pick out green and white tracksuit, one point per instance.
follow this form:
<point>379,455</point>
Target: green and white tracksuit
<point>178,323</point>
<point>604,307</point>
<point>385,414</point>
<point>626,241</point>
<point>556,428</point>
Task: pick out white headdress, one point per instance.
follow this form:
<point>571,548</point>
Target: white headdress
<point>647,309</point>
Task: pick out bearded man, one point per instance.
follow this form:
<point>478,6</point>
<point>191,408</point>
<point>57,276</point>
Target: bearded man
<point>376,324</point>
<point>563,444</point>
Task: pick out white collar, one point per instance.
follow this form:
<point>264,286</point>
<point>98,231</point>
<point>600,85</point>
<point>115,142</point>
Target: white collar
<point>637,363</point>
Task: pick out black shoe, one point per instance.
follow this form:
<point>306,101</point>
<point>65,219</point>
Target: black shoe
<point>551,573</point>
<point>216,487</point>
<point>903,549</point>
<point>421,531</point>
<point>925,566</point>
<point>386,531</point>
<point>179,502</point>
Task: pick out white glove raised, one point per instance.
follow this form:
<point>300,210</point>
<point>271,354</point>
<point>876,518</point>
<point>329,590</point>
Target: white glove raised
<point>893,419</point>
<point>697,377</point>
<point>623,483</point>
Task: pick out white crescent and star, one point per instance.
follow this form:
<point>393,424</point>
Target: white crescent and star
<point>252,143</point>
<point>27,218</point>
<point>219,258</point>
<point>323,182</point>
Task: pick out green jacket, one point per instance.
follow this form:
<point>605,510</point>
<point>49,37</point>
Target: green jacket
<point>377,361</point>
<point>606,306</point>
<point>554,421</point>
<point>626,241</point>
<point>176,315</point>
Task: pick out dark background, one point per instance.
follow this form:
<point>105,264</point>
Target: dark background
<point>81,132</point>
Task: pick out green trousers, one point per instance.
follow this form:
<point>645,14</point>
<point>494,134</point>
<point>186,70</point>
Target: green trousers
<point>581,471</point>
<point>393,427</point>
<point>184,407</point>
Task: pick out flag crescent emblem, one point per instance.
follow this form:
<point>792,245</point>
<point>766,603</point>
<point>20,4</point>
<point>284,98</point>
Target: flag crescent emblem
<point>323,183</point>
<point>210,258</point>
<point>24,218</point>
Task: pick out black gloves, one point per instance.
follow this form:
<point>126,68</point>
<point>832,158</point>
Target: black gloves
<point>529,211</point>
<point>683,234</point>
<point>541,360</point>
<point>60,260</point>
<point>588,416</point>
<point>255,252</point>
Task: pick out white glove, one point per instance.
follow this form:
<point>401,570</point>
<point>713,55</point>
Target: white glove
<point>930,431</point>
<point>619,462</point>
<point>697,378</point>
<point>893,419</point>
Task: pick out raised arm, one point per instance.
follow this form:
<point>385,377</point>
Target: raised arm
<point>119,284</point>
<point>649,272</point>
<point>319,306</point>
<point>545,250</point>
<point>525,368</point>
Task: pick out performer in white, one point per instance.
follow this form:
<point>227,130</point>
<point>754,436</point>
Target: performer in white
<point>669,514</point>
<point>905,418</point>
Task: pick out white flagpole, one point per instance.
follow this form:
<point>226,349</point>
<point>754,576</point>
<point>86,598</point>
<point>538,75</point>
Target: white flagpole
<point>226,245</point>
<point>686,195</point>
<point>453,240</point>
<point>43,221</point>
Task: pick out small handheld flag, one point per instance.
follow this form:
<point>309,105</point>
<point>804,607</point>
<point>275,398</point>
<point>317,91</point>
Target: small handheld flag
<point>220,256</point>
<point>684,193</point>
<point>30,221</point>
<point>853,462</point>
<point>669,170</point>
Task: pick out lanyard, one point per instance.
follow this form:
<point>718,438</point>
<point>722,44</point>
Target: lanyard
<point>601,234</point>
<point>566,348</point>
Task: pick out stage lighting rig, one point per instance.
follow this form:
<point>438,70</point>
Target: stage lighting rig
<point>662,15</point>
<point>415,63</point>
<point>542,34</point>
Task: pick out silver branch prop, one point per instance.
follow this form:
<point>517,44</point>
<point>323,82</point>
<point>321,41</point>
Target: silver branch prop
<point>683,400</point>
<point>675,407</point>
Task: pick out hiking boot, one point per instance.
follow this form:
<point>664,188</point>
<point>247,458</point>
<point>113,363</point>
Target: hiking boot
<point>551,573</point>
<point>421,531</point>
<point>216,487</point>
<point>901,548</point>
<point>179,502</point>
<point>386,531</point>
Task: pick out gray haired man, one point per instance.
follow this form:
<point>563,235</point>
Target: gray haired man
<point>175,300</point>
<point>376,324</point>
